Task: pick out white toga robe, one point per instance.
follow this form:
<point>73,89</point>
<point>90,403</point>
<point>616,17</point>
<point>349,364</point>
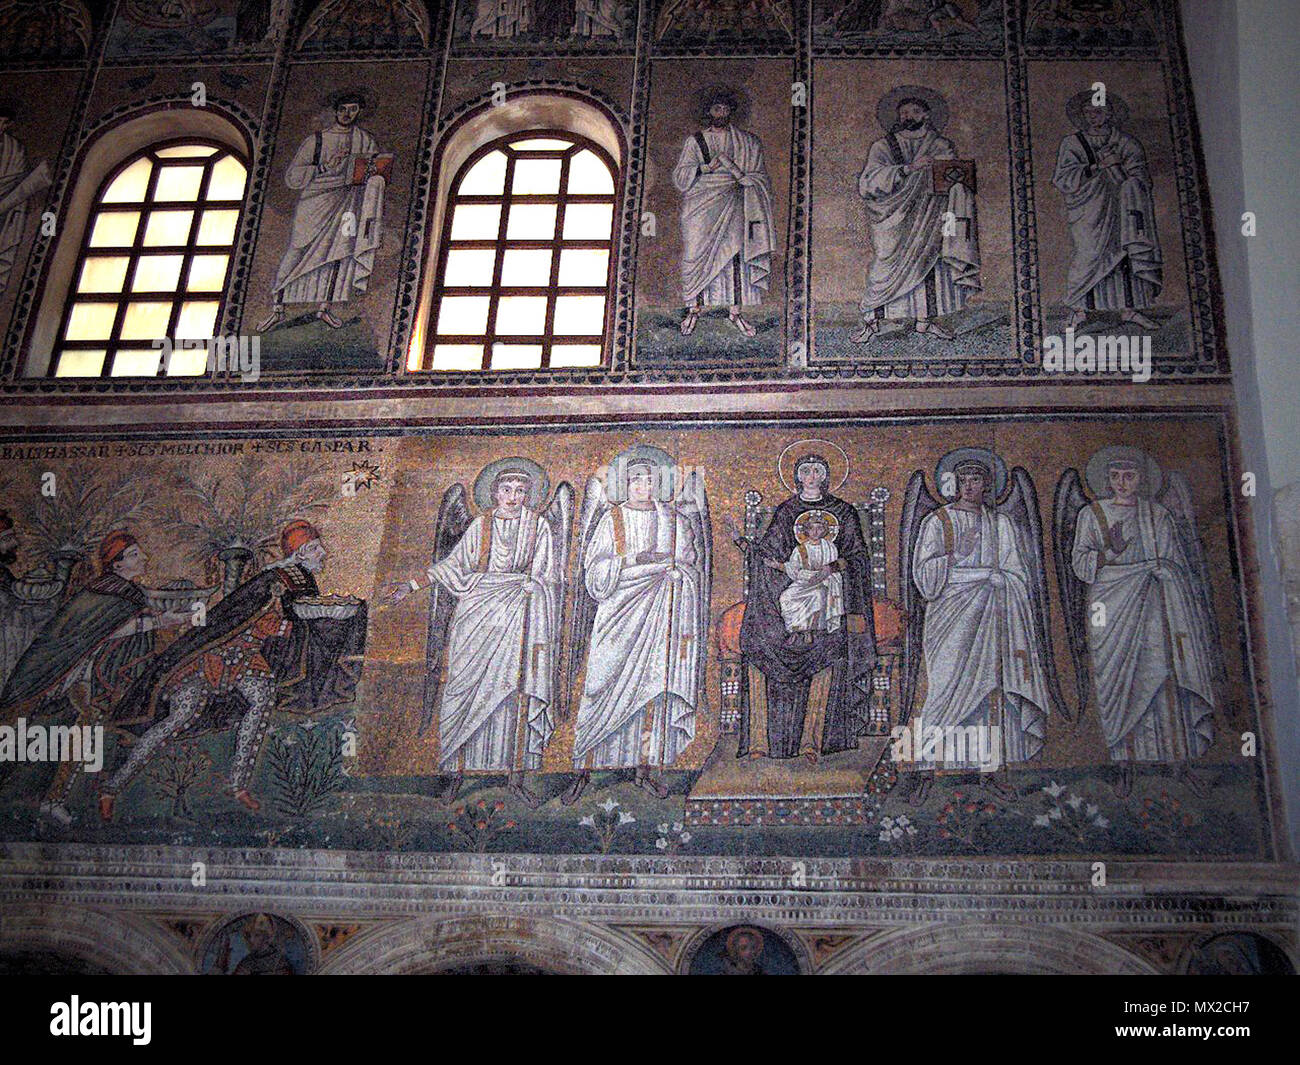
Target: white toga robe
<point>1117,261</point>
<point>498,624</point>
<point>502,18</point>
<point>978,640</point>
<point>336,225</point>
<point>14,177</point>
<point>727,220</point>
<point>639,698</point>
<point>917,270</point>
<point>1153,633</point>
<point>809,604</point>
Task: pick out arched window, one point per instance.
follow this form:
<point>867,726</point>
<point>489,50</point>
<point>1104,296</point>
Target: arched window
<point>153,263</point>
<point>524,260</point>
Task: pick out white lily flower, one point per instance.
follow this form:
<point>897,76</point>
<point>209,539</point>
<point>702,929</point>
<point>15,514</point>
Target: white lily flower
<point>625,818</point>
<point>609,806</point>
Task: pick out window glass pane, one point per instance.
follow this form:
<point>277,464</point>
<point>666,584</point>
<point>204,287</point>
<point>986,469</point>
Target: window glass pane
<point>469,266</point>
<point>588,175</point>
<point>588,221</point>
<point>103,274</point>
<point>167,228</point>
<point>207,273</point>
<point>475,221</point>
<point>133,363</point>
<point>91,321</point>
<point>130,185</point>
<point>463,315</point>
<point>458,357</point>
<point>584,266</point>
<point>536,177</point>
<point>579,315</point>
<point>198,320</point>
<point>228,178</point>
<point>187,362</point>
<point>531,221</point>
<point>179,183</point>
<point>186,151</point>
<point>487,177</point>
<point>157,273</point>
<point>80,364</point>
<point>516,356</point>
<point>218,227</point>
<point>115,229</point>
<point>524,266</point>
<point>542,144</point>
<point>146,321</point>
<point>575,355</point>
<point>521,315</point>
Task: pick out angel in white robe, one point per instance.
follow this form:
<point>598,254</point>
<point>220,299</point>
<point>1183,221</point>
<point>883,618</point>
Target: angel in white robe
<point>925,246</point>
<point>496,690</point>
<point>976,564</point>
<point>1150,631</point>
<point>1102,173</point>
<point>727,219</point>
<point>338,220</point>
<point>644,569</point>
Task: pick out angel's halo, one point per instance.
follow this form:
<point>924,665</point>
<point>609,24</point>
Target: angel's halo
<point>835,457</point>
<point>539,484</point>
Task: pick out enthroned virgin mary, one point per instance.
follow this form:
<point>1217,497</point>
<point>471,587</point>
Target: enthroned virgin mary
<point>806,693</point>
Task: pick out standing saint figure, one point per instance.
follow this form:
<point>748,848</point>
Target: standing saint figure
<point>98,643</point>
<point>641,618</point>
<point>727,220</point>
<point>1102,173</point>
<point>497,584</point>
<point>975,590</point>
<point>1139,610</point>
<point>341,176</point>
<point>924,231</point>
<point>18,184</point>
<point>503,19</point>
<point>806,691</point>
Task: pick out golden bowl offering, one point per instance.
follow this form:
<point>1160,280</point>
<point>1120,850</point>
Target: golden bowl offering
<point>335,607</point>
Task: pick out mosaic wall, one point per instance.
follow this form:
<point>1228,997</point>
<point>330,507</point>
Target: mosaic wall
<point>825,620</point>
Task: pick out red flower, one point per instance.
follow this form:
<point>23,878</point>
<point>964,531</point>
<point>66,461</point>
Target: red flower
<point>498,805</point>
<point>480,825</point>
<point>970,807</point>
<point>511,824</point>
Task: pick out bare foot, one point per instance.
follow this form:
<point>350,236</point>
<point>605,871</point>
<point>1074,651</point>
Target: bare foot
<point>867,333</point>
<point>1139,320</point>
<point>275,318</point>
<point>1195,782</point>
<point>329,319</point>
<point>742,325</point>
<point>1077,319</point>
<point>106,802</point>
<point>1124,785</point>
<point>933,330</point>
<point>689,322</point>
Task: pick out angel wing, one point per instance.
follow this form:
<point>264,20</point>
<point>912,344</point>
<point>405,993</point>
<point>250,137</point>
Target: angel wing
<point>1177,499</point>
<point>918,504</point>
<point>559,516</point>
<point>595,503</point>
<point>1020,505</point>
<point>1067,505</point>
<point>453,519</point>
<point>693,506</point>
